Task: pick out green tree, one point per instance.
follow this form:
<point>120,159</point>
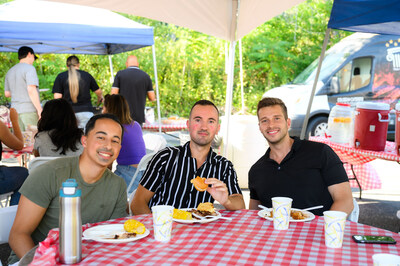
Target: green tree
<point>191,65</point>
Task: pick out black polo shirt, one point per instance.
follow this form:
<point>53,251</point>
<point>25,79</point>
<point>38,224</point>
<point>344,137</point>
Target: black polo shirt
<point>86,84</point>
<point>303,175</point>
<point>134,84</point>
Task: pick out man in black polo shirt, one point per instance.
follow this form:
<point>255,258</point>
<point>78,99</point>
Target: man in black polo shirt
<point>134,84</point>
<point>166,180</point>
<point>308,172</point>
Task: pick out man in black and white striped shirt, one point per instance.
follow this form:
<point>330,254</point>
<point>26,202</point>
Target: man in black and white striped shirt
<point>166,180</point>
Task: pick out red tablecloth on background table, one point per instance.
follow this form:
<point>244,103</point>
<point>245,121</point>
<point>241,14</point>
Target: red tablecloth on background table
<point>164,127</point>
<point>247,239</point>
<point>10,153</point>
<point>366,174</point>
<point>358,156</point>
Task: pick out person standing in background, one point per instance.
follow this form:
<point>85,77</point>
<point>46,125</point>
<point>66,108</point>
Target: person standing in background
<point>132,146</point>
<point>134,84</point>
<point>21,84</point>
<point>75,85</point>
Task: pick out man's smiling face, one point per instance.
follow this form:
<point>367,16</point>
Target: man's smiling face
<point>103,142</point>
<point>272,124</point>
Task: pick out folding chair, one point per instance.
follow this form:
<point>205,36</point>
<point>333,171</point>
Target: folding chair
<point>353,216</point>
<point>7,216</point>
<point>5,199</point>
<point>35,162</point>
<point>141,167</point>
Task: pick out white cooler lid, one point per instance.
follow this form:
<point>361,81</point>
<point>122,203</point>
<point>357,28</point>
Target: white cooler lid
<point>373,106</point>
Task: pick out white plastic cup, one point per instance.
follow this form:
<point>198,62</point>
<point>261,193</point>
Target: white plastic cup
<point>386,259</point>
<point>162,222</point>
<point>334,228</point>
<point>281,207</point>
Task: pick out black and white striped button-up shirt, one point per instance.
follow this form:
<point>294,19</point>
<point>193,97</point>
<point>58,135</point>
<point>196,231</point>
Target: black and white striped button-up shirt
<point>169,172</point>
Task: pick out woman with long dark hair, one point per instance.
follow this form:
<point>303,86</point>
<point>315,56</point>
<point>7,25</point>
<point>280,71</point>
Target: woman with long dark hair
<point>58,132</point>
<point>132,145</point>
<point>75,85</point>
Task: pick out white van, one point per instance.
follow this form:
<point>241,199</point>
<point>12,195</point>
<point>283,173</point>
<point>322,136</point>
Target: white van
<point>361,67</point>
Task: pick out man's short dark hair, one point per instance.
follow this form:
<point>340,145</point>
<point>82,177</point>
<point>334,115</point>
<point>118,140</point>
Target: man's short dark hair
<point>23,52</point>
<point>271,101</point>
<point>92,121</point>
<point>204,103</point>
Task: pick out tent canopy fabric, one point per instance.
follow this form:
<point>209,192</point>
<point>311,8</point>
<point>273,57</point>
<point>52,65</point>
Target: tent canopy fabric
<point>371,16</point>
<point>50,27</point>
<point>226,19</point>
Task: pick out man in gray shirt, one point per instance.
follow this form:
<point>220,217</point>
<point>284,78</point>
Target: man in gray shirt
<point>21,84</point>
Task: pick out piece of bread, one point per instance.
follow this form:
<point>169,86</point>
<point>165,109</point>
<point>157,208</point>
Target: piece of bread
<point>199,184</point>
<point>206,207</point>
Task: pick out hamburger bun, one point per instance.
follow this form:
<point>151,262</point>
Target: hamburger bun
<point>199,184</point>
<point>206,207</point>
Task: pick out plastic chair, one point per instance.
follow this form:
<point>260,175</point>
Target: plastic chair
<point>7,216</point>
<point>353,216</point>
<point>154,142</point>
<point>35,162</point>
<point>141,167</point>
<point>5,199</point>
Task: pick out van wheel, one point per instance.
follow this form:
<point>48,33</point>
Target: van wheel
<point>317,127</point>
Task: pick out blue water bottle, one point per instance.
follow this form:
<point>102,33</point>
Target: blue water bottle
<point>70,223</point>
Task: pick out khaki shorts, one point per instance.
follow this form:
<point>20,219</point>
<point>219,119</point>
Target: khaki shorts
<point>26,119</point>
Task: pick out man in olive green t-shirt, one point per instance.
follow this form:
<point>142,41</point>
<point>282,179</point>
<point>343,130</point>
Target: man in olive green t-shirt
<point>103,193</point>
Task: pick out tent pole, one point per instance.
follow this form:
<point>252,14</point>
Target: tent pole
<point>241,74</point>
<point>228,98</point>
<point>157,93</point>
<point>111,69</point>
<point>321,58</point>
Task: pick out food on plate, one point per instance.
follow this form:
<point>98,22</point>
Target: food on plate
<point>199,184</point>
<point>205,209</point>
<point>296,215</point>
<point>174,120</point>
<point>182,215</point>
<point>123,236</point>
<point>133,226</point>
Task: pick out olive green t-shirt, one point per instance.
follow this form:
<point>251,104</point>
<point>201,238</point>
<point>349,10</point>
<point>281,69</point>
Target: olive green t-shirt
<point>106,199</point>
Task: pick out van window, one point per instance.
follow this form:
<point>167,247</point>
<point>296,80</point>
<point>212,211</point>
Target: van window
<point>354,75</point>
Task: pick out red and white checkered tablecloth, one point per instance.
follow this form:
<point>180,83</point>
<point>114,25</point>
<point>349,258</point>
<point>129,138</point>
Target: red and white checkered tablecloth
<point>358,156</point>
<point>247,239</point>
<point>10,153</point>
<point>366,175</point>
<point>165,128</point>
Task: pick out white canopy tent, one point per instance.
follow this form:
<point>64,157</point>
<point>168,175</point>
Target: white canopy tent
<point>226,19</point>
<point>61,28</point>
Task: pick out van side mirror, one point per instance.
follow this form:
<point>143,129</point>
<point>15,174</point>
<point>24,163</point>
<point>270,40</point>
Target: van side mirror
<point>334,86</point>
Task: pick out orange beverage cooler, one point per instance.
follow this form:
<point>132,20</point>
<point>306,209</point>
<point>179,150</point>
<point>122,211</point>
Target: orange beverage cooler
<point>371,125</point>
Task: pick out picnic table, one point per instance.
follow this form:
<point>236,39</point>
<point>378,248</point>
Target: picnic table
<point>24,153</point>
<point>357,161</point>
<point>248,239</point>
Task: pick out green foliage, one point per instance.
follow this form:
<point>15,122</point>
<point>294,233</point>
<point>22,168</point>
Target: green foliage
<point>191,65</point>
